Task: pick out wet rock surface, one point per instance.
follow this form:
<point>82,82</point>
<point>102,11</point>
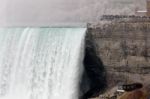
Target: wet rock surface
<point>94,71</point>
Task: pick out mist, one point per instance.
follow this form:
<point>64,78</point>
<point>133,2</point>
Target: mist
<point>47,12</point>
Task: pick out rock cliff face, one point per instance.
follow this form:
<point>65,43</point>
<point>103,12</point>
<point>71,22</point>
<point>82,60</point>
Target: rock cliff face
<point>124,48</point>
<point>94,77</point>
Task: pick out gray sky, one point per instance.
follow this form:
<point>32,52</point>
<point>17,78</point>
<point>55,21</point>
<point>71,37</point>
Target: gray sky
<point>47,12</point>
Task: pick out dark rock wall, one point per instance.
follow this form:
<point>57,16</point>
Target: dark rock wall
<point>94,76</point>
<point>124,49</point>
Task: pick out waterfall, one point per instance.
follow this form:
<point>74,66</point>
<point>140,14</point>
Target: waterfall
<point>41,63</point>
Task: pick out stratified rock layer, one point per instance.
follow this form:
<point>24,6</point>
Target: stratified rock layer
<point>124,48</point>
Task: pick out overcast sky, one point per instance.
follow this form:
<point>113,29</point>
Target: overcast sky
<point>45,12</point>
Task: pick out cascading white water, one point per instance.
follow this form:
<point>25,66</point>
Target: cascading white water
<point>40,63</point>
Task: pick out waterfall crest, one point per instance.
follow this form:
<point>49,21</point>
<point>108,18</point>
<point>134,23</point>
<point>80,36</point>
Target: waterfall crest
<point>41,63</point>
